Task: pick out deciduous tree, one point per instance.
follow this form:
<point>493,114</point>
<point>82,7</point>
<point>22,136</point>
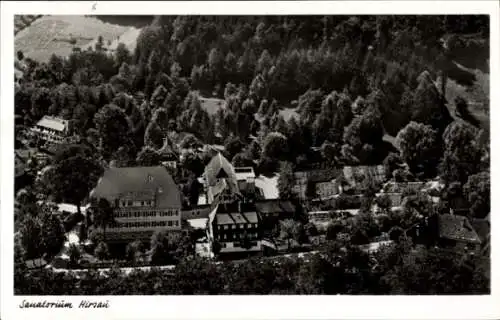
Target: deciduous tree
<point>75,171</point>
<point>419,147</point>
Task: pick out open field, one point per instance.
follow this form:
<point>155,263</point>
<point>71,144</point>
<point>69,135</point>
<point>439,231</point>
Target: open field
<point>212,105</point>
<point>52,35</point>
<point>476,94</point>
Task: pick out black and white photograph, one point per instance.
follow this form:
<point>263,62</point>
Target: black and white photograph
<point>241,154</point>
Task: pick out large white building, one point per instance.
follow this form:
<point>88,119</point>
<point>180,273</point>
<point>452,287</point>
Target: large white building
<point>144,200</point>
<point>51,129</point>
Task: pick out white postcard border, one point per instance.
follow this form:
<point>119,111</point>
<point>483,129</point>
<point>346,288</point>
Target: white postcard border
<point>241,307</point>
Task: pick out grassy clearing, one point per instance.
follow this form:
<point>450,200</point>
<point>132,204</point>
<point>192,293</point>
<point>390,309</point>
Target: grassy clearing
<point>287,113</point>
<point>212,105</point>
<point>476,94</point>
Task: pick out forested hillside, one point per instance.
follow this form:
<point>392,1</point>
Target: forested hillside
<point>351,79</point>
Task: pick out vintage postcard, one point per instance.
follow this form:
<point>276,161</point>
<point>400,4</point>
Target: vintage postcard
<point>312,160</point>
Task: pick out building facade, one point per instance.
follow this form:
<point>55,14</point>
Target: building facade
<point>144,200</point>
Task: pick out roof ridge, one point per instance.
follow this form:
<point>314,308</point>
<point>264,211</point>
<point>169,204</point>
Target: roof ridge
<point>231,216</point>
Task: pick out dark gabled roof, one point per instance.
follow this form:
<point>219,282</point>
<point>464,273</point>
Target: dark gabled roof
<point>274,206</point>
<point>124,182</point>
<point>236,218</point>
<point>457,228</point>
<point>236,206</point>
<point>235,213</point>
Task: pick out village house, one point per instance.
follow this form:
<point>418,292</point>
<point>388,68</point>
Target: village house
<point>235,226</point>
<point>51,129</point>
<point>275,209</point>
<point>354,178</point>
<point>144,199</point>
<point>456,233</point>
<point>397,201</point>
<point>321,180</point>
<point>169,158</point>
<point>327,189</point>
<point>322,218</point>
<point>272,211</point>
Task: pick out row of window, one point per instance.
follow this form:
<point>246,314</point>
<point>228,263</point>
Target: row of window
<point>136,214</point>
<point>130,203</point>
<point>147,224</point>
<point>50,137</point>
<point>250,235</point>
<point>234,226</point>
<point>253,244</point>
<point>169,213</point>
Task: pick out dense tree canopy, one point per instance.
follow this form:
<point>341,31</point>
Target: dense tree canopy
<point>462,155</point>
<point>419,148</point>
<point>68,184</point>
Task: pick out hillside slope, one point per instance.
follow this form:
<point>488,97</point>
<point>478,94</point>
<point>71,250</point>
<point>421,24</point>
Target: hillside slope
<point>54,35</point>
